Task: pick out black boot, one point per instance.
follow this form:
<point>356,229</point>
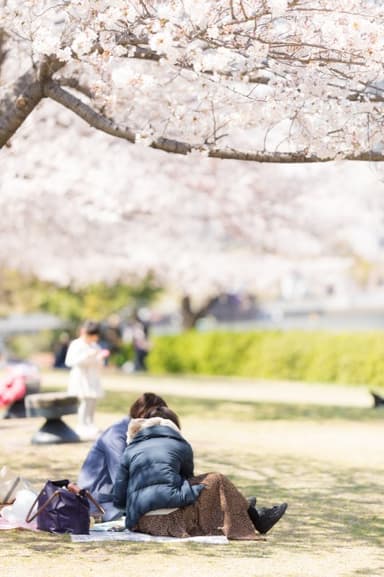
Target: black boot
<point>264,519</point>
<point>251,501</point>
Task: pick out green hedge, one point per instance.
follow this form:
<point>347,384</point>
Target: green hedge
<point>356,358</point>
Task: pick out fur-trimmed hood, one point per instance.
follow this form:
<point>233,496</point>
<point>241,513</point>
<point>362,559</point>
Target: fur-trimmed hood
<point>154,470</point>
<point>137,425</point>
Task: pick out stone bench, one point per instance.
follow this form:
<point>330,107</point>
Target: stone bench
<point>52,406</point>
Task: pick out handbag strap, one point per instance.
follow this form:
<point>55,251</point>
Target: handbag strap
<point>92,498</point>
<point>83,492</point>
<point>61,483</point>
<point>13,487</point>
<point>30,518</point>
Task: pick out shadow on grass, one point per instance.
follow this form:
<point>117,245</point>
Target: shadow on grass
<point>120,402</point>
<point>59,547</point>
<point>328,509</point>
<point>327,506</point>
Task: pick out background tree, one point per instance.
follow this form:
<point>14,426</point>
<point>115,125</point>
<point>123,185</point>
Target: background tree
<point>102,211</point>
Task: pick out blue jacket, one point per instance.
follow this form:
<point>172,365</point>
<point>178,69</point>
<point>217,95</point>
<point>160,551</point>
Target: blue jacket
<point>98,472</point>
<point>154,471</point>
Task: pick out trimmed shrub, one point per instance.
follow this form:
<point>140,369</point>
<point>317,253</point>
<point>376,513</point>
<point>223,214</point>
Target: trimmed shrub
<point>356,358</point>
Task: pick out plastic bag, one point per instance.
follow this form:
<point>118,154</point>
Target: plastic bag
<point>17,512</point>
<point>10,483</point>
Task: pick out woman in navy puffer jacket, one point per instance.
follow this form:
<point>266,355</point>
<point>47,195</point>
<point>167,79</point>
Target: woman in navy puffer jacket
<point>155,469</point>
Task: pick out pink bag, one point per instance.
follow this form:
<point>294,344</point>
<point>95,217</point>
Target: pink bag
<point>12,389</point>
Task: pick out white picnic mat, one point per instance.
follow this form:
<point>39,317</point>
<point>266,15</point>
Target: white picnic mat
<point>115,531</point>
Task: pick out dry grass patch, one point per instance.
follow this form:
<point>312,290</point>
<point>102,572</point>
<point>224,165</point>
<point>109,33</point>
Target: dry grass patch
<point>327,465</point>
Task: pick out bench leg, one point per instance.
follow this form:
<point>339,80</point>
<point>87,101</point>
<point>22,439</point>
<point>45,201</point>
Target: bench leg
<point>54,431</point>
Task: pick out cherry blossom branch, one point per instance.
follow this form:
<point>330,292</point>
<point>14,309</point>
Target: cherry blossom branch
<point>101,122</point>
<point>293,157</point>
<point>108,125</point>
<point>76,85</point>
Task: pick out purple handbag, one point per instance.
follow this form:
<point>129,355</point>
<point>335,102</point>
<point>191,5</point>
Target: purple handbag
<point>62,511</point>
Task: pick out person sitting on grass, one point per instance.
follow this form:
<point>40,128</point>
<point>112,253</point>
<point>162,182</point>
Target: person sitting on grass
<point>156,488</point>
<point>98,472</point>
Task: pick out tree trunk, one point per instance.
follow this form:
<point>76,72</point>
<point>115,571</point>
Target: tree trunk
<point>190,316</point>
<point>18,101</point>
<point>3,50</point>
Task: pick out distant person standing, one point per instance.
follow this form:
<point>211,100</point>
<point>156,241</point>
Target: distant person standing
<point>85,358</point>
<point>140,340</point>
<point>60,351</point>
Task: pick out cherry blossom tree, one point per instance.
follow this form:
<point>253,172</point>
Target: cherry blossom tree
<point>262,80</point>
<point>270,81</point>
<point>79,207</point>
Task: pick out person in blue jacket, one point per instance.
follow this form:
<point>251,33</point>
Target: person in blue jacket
<point>156,487</point>
<point>155,469</point>
<point>98,472</point>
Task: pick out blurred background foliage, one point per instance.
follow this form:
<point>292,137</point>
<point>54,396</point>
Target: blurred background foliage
<point>299,355</point>
<point>23,294</point>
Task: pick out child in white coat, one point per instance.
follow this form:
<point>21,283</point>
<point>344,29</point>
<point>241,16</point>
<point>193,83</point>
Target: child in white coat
<point>85,358</point>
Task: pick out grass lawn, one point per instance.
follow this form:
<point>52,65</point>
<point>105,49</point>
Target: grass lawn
<point>327,462</point>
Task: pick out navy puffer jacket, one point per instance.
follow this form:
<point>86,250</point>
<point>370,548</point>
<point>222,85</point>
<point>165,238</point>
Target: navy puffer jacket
<point>154,470</point>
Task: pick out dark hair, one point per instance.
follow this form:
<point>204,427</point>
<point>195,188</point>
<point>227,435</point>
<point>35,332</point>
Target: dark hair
<point>164,413</point>
<point>91,328</point>
<point>145,403</point>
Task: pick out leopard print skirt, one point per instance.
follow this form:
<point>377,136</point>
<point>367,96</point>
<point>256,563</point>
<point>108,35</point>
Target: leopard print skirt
<point>220,510</point>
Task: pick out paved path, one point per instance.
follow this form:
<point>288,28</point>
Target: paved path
<point>232,389</point>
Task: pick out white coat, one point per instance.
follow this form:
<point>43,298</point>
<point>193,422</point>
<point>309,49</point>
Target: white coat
<point>84,361</point>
